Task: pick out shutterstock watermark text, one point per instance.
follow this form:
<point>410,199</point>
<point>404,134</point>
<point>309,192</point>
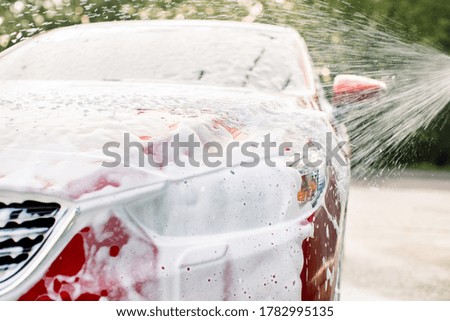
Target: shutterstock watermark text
<point>189,151</point>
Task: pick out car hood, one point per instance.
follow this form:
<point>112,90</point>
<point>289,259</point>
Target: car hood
<point>53,133</point>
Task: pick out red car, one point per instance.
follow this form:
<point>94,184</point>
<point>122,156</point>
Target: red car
<point>84,218</point>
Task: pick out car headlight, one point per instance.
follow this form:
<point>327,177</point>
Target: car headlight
<point>312,182</point>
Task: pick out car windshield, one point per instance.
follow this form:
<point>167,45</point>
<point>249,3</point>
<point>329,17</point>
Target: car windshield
<point>221,55</point>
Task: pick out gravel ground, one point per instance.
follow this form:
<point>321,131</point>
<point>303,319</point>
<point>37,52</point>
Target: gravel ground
<point>397,244</point>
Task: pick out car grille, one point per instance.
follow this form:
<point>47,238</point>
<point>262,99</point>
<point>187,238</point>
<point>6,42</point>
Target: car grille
<point>24,227</point>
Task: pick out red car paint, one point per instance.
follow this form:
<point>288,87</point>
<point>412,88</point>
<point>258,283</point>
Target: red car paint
<point>68,271</point>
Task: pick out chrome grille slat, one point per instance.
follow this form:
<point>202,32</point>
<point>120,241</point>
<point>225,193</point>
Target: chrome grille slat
<point>13,250</point>
<point>25,232</point>
<point>20,216</point>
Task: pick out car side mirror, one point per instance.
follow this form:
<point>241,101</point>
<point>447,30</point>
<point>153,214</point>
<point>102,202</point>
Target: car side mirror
<point>348,89</point>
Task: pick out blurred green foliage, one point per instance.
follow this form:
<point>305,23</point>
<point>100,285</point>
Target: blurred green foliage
<point>428,22</point>
<point>425,21</point>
